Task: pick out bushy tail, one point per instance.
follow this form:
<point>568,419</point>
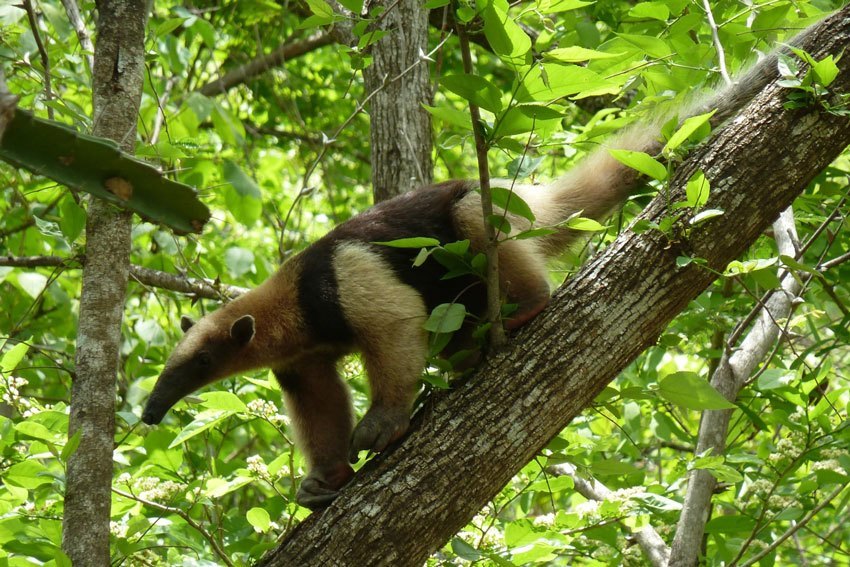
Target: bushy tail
<point>599,184</point>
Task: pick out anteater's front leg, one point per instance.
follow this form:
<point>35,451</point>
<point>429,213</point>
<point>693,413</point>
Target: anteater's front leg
<point>387,317</point>
<point>319,405</point>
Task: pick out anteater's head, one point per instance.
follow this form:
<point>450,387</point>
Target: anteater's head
<point>213,348</point>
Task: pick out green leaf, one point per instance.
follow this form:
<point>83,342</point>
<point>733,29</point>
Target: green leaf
<point>71,446</point>
<point>169,26</point>
<point>653,10</point>
<point>585,224</point>
<point>239,261</point>
<point>697,190</point>
<point>240,180</point>
<point>475,89</point>
<point>731,524</point>
<point>641,162</point>
<point>652,46</point>
<point>73,219</point>
<point>414,242</point>
<point>13,357</point>
<point>576,54</point>
<point>612,467</point>
<point>464,550</point>
<point>226,401</point>
<point>27,474</point>
<point>35,430</point>
<point>825,70</point>
<point>554,6</point>
<point>688,390</point>
<point>508,200</point>
<point>321,9</point>
<point>259,518</point>
<point>799,266</point>
<point>687,129</point>
<point>356,6</point>
<point>774,378</point>
<point>452,116</point>
<point>446,318</point>
<point>203,421</point>
<point>507,39</point>
<point>96,166</point>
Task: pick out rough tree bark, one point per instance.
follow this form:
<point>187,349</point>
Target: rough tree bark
<point>400,129</point>
<point>466,444</point>
<point>117,90</point>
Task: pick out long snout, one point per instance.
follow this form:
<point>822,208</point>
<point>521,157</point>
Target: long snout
<point>169,390</point>
<point>154,412</point>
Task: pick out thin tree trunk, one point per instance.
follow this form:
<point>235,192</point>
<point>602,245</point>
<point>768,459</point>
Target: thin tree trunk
<point>732,372</point>
<point>465,445</point>
<point>117,90</point>
<point>400,127</point>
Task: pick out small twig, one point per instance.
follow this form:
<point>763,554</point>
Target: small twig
<point>305,186</point>
<point>721,54</point>
<point>45,61</point>
<point>796,527</point>
<point>186,518</point>
<point>197,287</point>
<point>263,63</point>
<point>82,32</point>
<point>494,297</point>
<point>650,542</point>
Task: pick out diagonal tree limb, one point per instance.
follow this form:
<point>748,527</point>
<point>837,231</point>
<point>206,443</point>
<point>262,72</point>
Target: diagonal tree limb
<point>466,444</point>
<point>263,63</point>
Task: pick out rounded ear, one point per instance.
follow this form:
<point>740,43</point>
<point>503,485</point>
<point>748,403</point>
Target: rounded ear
<point>186,323</point>
<point>242,330</point>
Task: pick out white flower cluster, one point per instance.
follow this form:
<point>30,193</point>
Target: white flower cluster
<point>257,467</point>
<point>788,448</point>
<point>118,529</point>
<point>153,488</point>
<point>11,394</point>
<point>760,487</point>
<point>267,410</point>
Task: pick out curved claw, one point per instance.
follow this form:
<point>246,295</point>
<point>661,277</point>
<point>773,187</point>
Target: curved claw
<point>376,431</point>
<point>314,495</point>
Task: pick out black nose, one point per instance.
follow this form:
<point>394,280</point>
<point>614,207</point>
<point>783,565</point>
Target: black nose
<point>151,417</point>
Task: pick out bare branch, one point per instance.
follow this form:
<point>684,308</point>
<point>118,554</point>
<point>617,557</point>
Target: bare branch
<point>494,296</point>
<point>80,29</point>
<point>729,377</point>
<point>45,60</point>
<point>263,63</point>
<point>721,53</point>
<point>795,527</point>
<point>650,542</point>
<point>216,546</point>
<point>207,289</point>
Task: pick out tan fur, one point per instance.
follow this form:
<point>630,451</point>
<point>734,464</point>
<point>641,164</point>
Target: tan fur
<point>387,315</point>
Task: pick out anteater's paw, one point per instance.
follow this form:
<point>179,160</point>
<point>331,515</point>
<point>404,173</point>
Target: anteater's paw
<point>378,428</point>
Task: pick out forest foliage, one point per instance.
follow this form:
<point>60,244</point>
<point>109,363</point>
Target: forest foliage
<point>283,156</point>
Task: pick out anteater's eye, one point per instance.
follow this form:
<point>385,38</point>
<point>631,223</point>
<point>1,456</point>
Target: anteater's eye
<point>204,359</point>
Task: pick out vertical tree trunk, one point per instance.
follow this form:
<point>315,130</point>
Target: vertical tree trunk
<point>400,127</point>
<point>117,90</point>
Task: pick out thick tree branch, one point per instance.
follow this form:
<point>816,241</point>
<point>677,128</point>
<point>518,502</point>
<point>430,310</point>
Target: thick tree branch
<point>206,289</point>
<point>466,444</point>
